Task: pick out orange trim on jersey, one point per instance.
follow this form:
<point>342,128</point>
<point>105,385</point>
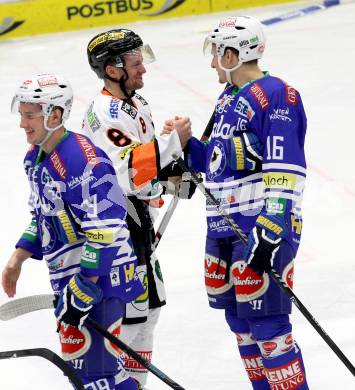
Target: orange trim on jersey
<point>144,164</point>
<point>106,92</point>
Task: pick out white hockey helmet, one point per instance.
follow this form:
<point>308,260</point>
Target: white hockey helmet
<point>48,90</point>
<point>243,33</point>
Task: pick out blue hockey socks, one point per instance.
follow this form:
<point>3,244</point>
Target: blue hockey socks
<point>286,371</point>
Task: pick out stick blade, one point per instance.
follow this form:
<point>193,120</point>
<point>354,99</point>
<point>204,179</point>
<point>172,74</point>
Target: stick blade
<point>21,306</point>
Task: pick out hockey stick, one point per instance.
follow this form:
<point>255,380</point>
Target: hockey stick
<point>50,356</point>
<point>129,351</point>
<point>273,274</point>
<point>164,222</point>
<point>18,307</point>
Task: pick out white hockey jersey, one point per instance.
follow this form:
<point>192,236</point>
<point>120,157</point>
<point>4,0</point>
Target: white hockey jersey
<point>125,130</point>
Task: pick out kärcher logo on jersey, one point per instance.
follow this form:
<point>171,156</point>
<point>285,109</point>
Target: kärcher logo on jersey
<point>168,6</point>
<point>8,24</point>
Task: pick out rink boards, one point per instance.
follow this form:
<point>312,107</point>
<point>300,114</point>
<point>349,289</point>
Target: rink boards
<point>32,17</point>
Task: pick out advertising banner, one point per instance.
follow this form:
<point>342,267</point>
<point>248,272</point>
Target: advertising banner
<point>31,17</point>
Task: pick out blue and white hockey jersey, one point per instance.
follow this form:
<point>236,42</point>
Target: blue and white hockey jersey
<point>273,111</point>
<point>79,213</point>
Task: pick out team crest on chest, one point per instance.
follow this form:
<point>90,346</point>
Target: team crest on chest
<point>217,161</point>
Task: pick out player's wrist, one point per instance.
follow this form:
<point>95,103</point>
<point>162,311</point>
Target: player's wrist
<point>92,278</point>
<point>20,255</point>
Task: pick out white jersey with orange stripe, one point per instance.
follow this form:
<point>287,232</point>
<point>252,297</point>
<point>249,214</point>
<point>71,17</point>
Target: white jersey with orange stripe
<point>125,130</point>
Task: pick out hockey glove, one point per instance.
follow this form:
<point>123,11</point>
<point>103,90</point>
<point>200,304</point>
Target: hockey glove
<point>187,186</point>
<point>261,250</point>
<point>76,300</point>
<point>245,152</point>
<point>264,241</point>
<point>176,181</point>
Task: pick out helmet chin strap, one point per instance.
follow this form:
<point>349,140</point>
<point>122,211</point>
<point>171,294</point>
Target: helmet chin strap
<point>122,84</point>
<point>50,131</point>
<point>229,71</point>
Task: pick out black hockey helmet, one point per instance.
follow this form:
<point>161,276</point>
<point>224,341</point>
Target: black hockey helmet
<point>109,47</point>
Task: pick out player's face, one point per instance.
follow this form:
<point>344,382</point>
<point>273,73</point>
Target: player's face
<point>32,121</point>
<point>135,70</point>
<point>215,65</point>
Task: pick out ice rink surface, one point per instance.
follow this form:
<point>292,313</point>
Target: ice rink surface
<point>316,55</point>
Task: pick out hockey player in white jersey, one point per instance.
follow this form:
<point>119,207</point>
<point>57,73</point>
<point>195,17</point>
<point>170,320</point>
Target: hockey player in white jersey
<point>120,122</point>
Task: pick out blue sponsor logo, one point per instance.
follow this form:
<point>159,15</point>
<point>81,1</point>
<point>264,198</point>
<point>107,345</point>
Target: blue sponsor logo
<point>114,108</point>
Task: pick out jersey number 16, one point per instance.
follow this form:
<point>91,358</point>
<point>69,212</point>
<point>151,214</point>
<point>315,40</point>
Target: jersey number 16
<point>274,149</point>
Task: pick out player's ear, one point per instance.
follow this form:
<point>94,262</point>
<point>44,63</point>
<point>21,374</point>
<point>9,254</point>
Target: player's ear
<point>231,55</point>
<point>112,71</point>
<point>56,116</point>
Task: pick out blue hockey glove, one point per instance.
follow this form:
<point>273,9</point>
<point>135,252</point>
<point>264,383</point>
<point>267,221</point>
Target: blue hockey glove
<point>264,241</point>
<point>261,250</point>
<point>246,152</point>
<point>76,300</point>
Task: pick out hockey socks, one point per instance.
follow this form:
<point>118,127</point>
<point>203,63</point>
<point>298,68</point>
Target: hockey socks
<point>286,371</point>
<point>253,362</point>
<point>135,369</point>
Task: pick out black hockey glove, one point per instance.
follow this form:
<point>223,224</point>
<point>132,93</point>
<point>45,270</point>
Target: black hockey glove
<point>261,249</point>
<point>76,300</point>
<point>176,181</point>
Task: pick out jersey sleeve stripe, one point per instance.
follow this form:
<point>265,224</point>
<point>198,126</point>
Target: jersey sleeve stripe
<point>284,167</point>
<point>144,164</point>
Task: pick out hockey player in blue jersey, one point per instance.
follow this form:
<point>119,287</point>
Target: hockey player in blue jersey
<point>255,166</point>
<point>78,227</point>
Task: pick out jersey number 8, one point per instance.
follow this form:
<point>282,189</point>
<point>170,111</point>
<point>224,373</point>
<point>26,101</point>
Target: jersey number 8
<point>118,138</point>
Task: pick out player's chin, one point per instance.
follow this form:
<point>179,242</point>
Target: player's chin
<point>139,84</point>
<point>222,80</point>
<point>30,139</point>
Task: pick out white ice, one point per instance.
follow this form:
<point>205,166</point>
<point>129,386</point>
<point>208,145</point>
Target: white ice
<point>193,345</point>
